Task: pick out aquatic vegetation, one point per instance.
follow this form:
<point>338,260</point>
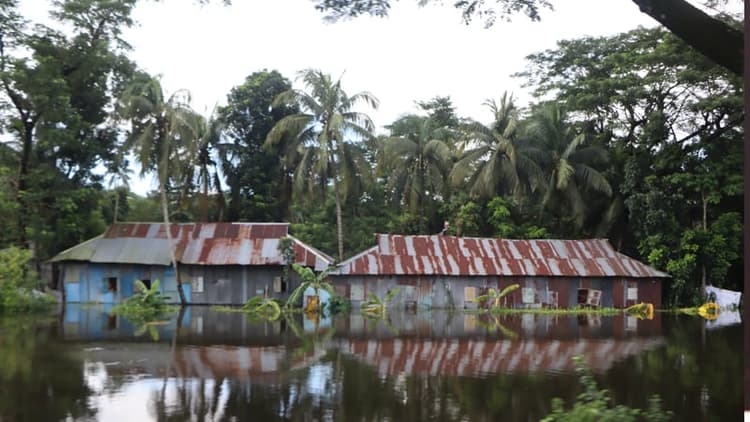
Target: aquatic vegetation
<point>494,296</point>
<point>375,306</point>
<point>147,305</point>
<point>262,308</point>
<point>641,310</point>
<point>595,404</point>
<point>709,310</point>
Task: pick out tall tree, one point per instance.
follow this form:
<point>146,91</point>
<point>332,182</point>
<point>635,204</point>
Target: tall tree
<point>57,88</point>
<point>569,164</point>
<point>164,134</point>
<point>417,158</point>
<point>258,182</point>
<point>322,132</point>
<point>497,161</point>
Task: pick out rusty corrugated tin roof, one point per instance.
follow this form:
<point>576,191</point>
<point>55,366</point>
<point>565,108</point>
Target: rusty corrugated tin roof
<point>196,244</point>
<point>471,256</point>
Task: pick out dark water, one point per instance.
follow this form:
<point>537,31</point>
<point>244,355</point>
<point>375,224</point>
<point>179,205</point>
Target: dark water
<point>85,365</point>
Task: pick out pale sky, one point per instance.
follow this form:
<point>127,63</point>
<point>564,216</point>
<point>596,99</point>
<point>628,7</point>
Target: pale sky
<point>415,54</point>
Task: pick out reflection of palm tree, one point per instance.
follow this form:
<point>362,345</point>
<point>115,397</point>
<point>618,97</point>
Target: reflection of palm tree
<point>319,146</point>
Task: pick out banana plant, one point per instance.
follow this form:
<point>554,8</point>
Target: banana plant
<point>309,279</point>
<point>495,297</point>
<point>149,296</point>
<point>375,306</point>
<point>263,308</point>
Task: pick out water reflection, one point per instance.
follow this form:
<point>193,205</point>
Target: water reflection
<point>437,366</point>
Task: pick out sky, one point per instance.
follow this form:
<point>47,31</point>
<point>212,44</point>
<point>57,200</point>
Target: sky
<point>414,54</point>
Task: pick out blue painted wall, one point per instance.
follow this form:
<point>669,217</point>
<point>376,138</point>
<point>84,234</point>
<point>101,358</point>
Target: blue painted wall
<point>88,282</point>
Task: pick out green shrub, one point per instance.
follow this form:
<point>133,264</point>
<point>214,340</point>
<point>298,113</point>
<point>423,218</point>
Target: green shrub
<point>18,283</point>
<point>595,405</point>
<point>146,305</point>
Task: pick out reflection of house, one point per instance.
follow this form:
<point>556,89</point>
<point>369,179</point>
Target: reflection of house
<point>448,271</point>
<point>225,263</point>
<point>474,357</point>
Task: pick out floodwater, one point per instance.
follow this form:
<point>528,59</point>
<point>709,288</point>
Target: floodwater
<point>86,365</point>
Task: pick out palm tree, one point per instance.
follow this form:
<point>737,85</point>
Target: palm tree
<point>162,135</point>
<point>498,161</point>
<point>568,162</point>
<point>418,159</point>
<point>319,147</point>
<point>201,170</point>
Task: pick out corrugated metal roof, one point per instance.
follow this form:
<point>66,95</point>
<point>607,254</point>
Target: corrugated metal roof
<point>470,256</point>
<point>196,244</point>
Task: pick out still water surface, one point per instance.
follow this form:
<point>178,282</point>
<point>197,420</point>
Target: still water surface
<point>86,365</point>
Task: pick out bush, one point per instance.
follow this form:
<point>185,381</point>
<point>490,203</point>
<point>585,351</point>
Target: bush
<point>18,284</point>
<point>339,305</point>
<point>595,405</point>
<point>146,305</point>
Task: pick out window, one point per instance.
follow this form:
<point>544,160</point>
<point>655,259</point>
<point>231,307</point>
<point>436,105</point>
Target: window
<point>632,293</point>
<point>146,282</point>
<point>196,284</point>
<point>279,285</point>
<point>110,283</point>
<point>527,295</point>
<point>72,273</point>
<point>470,293</point>
<point>357,292</point>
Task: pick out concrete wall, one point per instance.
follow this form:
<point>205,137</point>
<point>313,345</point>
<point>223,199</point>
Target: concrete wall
<point>85,282</point>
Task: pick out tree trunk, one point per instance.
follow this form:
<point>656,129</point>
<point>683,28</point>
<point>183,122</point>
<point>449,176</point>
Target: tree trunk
<point>23,174</point>
<point>711,37</point>
<point>705,227</point>
<point>339,219</point>
<point>165,211</point>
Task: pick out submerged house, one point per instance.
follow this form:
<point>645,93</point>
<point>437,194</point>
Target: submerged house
<point>450,272</point>
<point>219,263</point>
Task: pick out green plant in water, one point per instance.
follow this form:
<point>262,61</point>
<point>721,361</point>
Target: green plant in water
<point>262,308</point>
<point>310,280</point>
<point>495,297</point>
<point>595,405</point>
<point>147,305</point>
<point>494,324</point>
<point>375,306</point>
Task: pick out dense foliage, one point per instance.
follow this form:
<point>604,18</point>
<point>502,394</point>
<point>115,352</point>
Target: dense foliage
<point>594,404</point>
<point>634,137</point>
<point>19,284</point>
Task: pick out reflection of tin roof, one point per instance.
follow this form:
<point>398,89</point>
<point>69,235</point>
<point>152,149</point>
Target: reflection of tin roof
<point>196,243</point>
<point>475,357</point>
<point>471,256</point>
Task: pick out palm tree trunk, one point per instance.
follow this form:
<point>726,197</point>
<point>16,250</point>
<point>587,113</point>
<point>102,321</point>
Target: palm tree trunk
<point>339,219</point>
<point>165,211</point>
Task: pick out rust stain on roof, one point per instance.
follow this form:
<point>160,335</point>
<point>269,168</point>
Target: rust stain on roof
<point>471,256</point>
<point>199,244</point>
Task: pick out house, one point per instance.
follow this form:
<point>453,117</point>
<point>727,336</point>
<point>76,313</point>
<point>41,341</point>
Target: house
<point>450,272</point>
<point>220,263</point>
